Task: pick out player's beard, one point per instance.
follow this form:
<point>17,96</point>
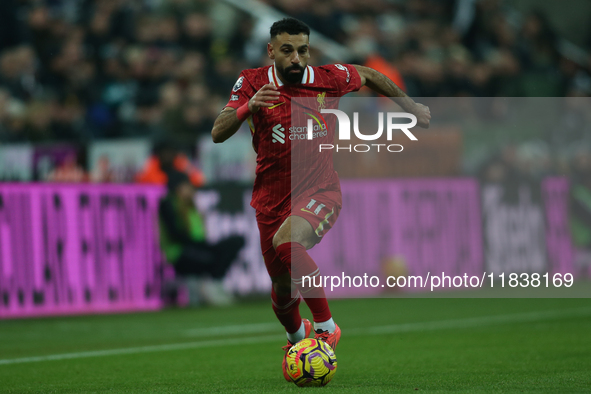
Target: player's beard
<point>290,77</point>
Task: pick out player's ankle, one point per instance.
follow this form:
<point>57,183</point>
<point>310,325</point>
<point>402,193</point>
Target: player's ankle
<point>298,335</point>
<point>328,325</point>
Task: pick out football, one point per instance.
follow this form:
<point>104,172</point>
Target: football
<point>311,362</point>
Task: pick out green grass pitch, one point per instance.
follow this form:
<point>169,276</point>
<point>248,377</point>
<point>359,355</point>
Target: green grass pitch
<point>388,345</point>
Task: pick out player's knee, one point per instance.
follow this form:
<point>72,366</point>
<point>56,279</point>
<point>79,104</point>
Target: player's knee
<point>306,242</point>
<point>279,239</point>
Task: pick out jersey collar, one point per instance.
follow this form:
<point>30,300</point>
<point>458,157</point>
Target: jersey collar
<point>307,78</point>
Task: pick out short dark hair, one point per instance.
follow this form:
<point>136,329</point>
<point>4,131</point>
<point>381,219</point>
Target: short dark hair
<point>291,26</point>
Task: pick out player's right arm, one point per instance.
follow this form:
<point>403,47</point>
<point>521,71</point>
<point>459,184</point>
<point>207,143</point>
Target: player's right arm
<point>225,125</point>
<point>229,120</point>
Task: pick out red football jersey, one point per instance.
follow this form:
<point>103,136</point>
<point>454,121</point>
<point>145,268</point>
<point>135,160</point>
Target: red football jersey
<point>288,164</point>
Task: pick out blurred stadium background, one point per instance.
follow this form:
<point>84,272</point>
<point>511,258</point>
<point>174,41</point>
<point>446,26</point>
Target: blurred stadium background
<point>92,92</point>
<point>95,95</point>
<point>90,74</point>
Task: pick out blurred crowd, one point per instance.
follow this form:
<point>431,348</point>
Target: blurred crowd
<point>452,48</point>
<point>80,70</point>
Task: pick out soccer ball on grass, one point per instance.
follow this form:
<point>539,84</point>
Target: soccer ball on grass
<point>311,362</point>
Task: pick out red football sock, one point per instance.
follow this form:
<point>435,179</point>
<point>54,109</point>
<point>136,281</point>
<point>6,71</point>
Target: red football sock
<point>287,310</point>
<point>300,264</point>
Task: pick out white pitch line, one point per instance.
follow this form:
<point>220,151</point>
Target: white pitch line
<point>145,349</point>
<point>376,330</point>
<point>236,329</point>
<point>471,322</point>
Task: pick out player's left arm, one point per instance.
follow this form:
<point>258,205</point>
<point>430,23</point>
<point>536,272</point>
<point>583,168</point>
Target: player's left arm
<point>383,85</point>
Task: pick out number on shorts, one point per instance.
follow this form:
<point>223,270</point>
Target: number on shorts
<point>311,205</point>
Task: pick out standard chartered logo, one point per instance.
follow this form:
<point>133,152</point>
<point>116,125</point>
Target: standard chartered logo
<point>297,133</point>
<point>300,133</point>
<point>278,134</point>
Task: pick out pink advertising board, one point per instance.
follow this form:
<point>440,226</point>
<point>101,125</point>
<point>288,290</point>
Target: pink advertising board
<point>420,225</point>
<point>555,193</point>
<point>427,227</point>
<point>68,249</point>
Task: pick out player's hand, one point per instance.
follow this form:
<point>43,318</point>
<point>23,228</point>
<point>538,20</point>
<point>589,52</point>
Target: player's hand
<point>264,98</point>
<point>423,115</point>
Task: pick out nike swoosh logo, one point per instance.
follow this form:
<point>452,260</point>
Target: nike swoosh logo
<point>277,105</point>
<point>305,210</point>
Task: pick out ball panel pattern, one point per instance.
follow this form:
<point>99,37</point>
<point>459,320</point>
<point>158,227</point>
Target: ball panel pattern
<point>311,363</point>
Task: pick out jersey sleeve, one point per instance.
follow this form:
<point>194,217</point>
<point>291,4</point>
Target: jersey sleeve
<point>242,92</point>
<point>347,78</point>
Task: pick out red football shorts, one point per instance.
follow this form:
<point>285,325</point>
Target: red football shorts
<point>320,209</point>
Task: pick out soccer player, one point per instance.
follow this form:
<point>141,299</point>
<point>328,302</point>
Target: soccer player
<point>297,197</point>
